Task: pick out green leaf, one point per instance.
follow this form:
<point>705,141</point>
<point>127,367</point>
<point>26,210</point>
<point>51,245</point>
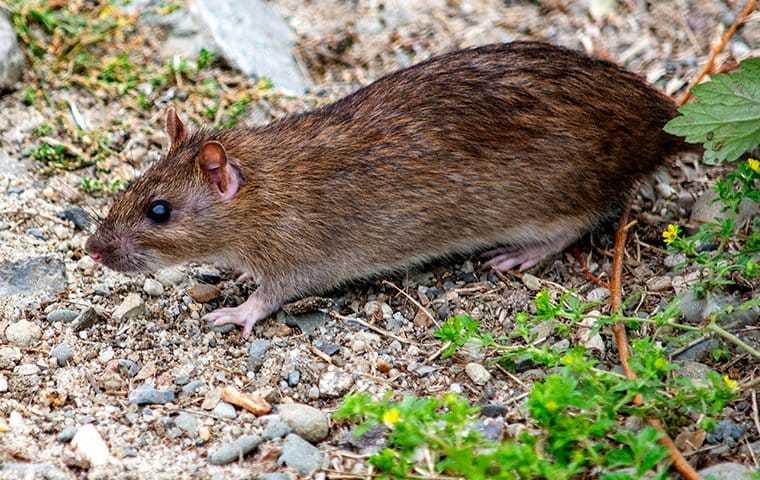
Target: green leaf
<point>725,116</point>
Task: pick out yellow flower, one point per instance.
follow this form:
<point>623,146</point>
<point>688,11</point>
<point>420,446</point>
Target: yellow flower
<point>754,165</point>
<point>732,384</point>
<point>670,233</point>
<point>551,406</point>
<point>391,417</point>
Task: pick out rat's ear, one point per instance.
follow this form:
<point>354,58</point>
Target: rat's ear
<point>174,126</point>
<point>213,160</point>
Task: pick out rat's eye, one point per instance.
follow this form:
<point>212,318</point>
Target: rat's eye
<point>159,211</point>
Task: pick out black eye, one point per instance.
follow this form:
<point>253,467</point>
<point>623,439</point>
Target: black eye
<point>159,211</point>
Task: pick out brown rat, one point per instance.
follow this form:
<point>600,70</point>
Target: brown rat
<point>526,146</point>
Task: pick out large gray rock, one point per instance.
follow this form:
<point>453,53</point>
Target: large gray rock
<point>300,455</point>
<point>32,276</point>
<point>727,471</point>
<point>11,58</point>
<point>308,422</point>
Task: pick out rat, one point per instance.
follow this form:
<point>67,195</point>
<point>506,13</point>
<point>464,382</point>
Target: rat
<point>521,147</point>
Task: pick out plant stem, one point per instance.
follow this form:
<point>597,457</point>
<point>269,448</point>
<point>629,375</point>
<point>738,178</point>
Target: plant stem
<point>713,327</point>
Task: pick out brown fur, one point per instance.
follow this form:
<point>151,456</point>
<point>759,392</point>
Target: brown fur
<point>518,144</point>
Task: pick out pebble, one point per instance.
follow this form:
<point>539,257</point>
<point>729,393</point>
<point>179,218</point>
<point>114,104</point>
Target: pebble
<point>727,471</point>
<point>696,371</point>
<point>66,434</point>
<point>3,384</point>
<point>300,455</point>
<point>257,354</point>
<point>203,293</point>
<point>532,282</point>
<point>187,422</point>
<point>274,476</point>
<point>224,410</point>
<point>85,320</point>
<point>77,216</point>
<point>490,428</point>
<point>692,307</point>
<point>293,378</point>
<point>493,410</point>
<point>149,395</point>
<point>328,348</point>
<point>276,428</point>
<point>128,367</point>
<point>232,451</point>
<point>598,294</point>
<point>659,284</point>
<point>26,370</point>
<point>86,264</point>
<point>335,383</point>
<point>477,373</point>
<point>170,276</point>
<point>192,387</point>
<point>378,310</point>
<point>62,315</point>
<point>308,322</point>
<point>90,445</point>
<point>106,355</point>
<point>588,337</point>
<point>673,260</point>
<point>23,333</point>
<point>132,306</point>
<point>308,422</point>
<point>9,357</point>
<point>62,354</point>
<point>727,432</point>
<point>153,287</point>
<point>313,393</point>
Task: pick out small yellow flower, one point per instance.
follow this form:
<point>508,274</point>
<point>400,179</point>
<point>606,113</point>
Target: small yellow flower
<point>732,384</point>
<point>670,233</point>
<point>551,406</point>
<point>754,164</point>
<point>391,417</point>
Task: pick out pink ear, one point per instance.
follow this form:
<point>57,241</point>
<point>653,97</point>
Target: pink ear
<point>174,127</point>
<point>213,160</point>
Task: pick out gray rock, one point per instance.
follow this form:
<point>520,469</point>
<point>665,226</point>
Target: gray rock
<point>598,294</point>
<point>26,370</point>
<point>293,378</point>
<point>335,383</point>
<point>659,284</point>
<point>727,471</point>
<point>187,422</point>
<point>170,276</point>
<point>11,58</point>
<point>695,371</point>
<point>254,38</point>
<point>13,166</point>
<point>234,450</point>
<point>727,431</point>
<point>490,428</point>
<point>62,354</point>
<point>23,333</point>
<point>66,434</point>
<point>692,307</point>
<point>274,476</point>
<point>192,387</point>
<point>132,306</point>
<point>149,395</point>
<point>153,287</point>
<point>32,471</point>
<point>9,357</point>
<point>62,315</point>
<point>257,354</point>
<point>32,277</point>
<point>128,367</point>
<point>86,319</point>
<point>276,428</point>
<point>477,373</point>
<point>308,422</point>
<point>224,410</point>
<point>674,260</point>
<point>300,455</point>
<point>307,322</point>
<point>706,209</point>
<point>328,348</point>
<point>698,352</point>
<point>531,281</point>
<point>77,216</point>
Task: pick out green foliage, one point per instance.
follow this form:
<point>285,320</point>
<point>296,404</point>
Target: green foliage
<point>457,331</point>
<point>725,118</point>
<point>94,185</point>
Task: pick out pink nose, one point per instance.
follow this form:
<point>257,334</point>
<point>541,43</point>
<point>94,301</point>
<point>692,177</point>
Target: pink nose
<point>96,256</point>
<point>96,248</point>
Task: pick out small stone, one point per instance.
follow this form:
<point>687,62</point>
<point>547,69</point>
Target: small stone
<point>128,367</point>
<point>224,410</point>
<point>727,471</point>
<point>170,276</point>
<point>591,339</point>
<point>308,322</point>
<point>328,348</point>
<point>300,455</point>
<point>90,445</point>
<point>192,387</point>
<point>695,371</point>
<point>3,384</point>
<point>308,422</point>
<point>477,373</point>
<point>86,264</point>
<point>659,284</point>
<point>673,260</point>
<point>106,355</point>
<point>149,395</point>
<point>187,422</point>
<point>76,215</point>
<point>234,450</point>
<point>598,294</point>
<point>26,370</point>
<point>313,393</point>
<point>61,315</point>
<point>132,306</point>
<point>532,282</point>
<point>23,333</point>
<point>62,354</point>
<point>85,320</point>
<point>692,307</point>
<point>153,287</point>
<point>66,434</point>
<point>257,354</point>
<point>203,293</point>
<point>293,378</point>
<point>9,357</point>
<point>335,383</point>
<point>276,428</point>
<point>375,310</point>
<point>727,431</point>
<point>493,410</point>
<point>490,428</point>
<point>274,476</point>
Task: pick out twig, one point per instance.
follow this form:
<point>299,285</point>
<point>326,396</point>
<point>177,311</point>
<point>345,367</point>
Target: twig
<point>512,377</point>
<point>713,327</point>
<point>718,47</point>
<point>379,330</point>
<point>409,297</point>
<point>438,352</point>
<point>621,340</point>
<point>755,417</point>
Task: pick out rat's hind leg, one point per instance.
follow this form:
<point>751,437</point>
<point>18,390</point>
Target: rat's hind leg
<point>246,314</point>
<point>508,258</point>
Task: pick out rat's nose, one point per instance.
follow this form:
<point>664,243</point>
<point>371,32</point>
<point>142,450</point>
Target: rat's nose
<point>95,248</point>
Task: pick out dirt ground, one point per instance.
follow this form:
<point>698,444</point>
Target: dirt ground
<point>310,358</point>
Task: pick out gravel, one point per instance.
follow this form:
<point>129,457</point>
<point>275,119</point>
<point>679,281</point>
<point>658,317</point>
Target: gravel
<point>308,422</point>
<point>300,455</point>
<point>224,410</point>
<point>62,354</point>
<point>149,395</point>
<point>232,451</point>
<point>132,307</point>
<point>153,287</point>
<point>23,333</point>
<point>477,373</point>
<point>257,353</point>
<point>335,383</point>
<point>62,315</point>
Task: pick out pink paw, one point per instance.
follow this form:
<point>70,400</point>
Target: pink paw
<point>238,316</point>
<point>504,259</point>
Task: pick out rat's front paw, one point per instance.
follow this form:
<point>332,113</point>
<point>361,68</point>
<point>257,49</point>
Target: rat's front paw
<point>241,315</point>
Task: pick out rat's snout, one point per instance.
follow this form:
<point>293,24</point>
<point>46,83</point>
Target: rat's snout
<point>97,248</point>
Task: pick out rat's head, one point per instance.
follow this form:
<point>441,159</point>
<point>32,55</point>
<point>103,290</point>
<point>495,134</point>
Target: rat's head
<point>175,211</point>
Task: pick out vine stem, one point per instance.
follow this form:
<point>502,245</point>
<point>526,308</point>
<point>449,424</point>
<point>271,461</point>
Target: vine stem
<point>718,330</point>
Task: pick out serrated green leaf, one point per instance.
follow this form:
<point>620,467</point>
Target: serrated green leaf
<point>725,116</point>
